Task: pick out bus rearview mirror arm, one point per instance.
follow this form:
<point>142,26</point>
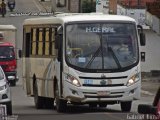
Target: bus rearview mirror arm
<point>141,35</point>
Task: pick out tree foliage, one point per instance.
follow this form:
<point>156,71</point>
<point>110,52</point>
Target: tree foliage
<point>88,6</point>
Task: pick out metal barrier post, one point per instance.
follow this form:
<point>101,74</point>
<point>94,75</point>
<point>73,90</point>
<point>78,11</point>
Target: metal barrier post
<point>3,112</point>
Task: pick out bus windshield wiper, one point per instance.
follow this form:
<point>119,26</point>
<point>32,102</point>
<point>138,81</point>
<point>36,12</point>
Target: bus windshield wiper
<point>115,57</point>
<point>97,52</point>
<point>93,57</point>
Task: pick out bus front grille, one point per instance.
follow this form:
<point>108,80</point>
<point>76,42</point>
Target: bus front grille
<point>115,96</point>
<point>111,95</point>
<point>97,85</point>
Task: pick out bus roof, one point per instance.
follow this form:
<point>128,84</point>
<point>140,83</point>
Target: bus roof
<point>76,17</point>
<point>7,27</point>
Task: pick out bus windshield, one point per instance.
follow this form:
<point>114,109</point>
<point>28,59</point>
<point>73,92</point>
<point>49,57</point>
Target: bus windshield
<point>7,53</point>
<point>106,46</point>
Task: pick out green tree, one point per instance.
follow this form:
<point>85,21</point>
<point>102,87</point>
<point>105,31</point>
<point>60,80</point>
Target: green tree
<point>88,6</point>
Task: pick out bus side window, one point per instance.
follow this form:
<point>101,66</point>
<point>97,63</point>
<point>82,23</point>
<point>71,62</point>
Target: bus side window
<point>49,39</point>
<point>52,41</point>
<point>33,42</point>
<point>27,44</point>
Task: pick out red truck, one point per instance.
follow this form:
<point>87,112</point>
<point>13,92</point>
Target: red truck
<point>8,60</point>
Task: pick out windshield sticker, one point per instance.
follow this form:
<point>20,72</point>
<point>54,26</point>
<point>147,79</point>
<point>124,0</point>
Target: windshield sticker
<point>82,59</point>
<point>99,29</point>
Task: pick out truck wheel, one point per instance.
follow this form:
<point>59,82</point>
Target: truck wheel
<point>126,106</point>
<point>39,101</point>
<point>9,108</point>
<point>61,105</point>
<point>13,83</point>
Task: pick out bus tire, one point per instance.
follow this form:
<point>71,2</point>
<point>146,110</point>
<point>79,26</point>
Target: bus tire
<point>103,105</point>
<point>13,83</point>
<point>9,108</point>
<point>61,105</point>
<point>92,105</point>
<point>39,101</point>
<point>126,106</point>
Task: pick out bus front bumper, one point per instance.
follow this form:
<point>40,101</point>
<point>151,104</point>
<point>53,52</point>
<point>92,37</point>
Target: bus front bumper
<point>102,94</point>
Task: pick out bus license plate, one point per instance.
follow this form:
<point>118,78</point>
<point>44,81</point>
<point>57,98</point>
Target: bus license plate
<point>103,93</point>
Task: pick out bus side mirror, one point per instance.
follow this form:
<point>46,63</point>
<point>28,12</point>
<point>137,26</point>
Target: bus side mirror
<point>20,53</point>
<point>142,39</point>
<point>141,35</point>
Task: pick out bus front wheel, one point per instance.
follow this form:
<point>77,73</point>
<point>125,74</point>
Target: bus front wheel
<point>126,106</point>
<point>39,101</point>
<point>9,108</point>
<point>60,104</point>
<point>103,105</point>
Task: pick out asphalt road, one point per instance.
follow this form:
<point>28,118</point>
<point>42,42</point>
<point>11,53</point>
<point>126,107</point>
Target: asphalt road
<point>23,106</point>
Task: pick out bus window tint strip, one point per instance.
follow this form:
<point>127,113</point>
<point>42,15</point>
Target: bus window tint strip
<point>44,40</point>
<point>37,39</point>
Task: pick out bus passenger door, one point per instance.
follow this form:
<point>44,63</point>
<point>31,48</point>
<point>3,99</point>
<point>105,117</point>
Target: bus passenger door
<point>26,63</point>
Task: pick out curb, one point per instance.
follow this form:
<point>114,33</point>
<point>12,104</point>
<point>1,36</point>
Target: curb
<point>151,80</point>
<point>146,93</point>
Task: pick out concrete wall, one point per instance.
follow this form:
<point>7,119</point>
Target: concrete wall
<point>137,14</point>
<point>102,6</point>
<point>156,25</point>
<point>153,21</point>
<point>152,50</point>
<point>149,19</point>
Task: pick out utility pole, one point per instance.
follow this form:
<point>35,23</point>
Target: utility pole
<point>138,1</point>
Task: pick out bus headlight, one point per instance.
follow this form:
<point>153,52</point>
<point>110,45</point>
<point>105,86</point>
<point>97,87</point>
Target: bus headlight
<point>133,79</point>
<point>73,80</point>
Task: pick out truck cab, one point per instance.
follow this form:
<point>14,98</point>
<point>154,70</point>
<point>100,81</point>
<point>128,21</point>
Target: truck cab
<point>8,59</point>
<point>8,62</point>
